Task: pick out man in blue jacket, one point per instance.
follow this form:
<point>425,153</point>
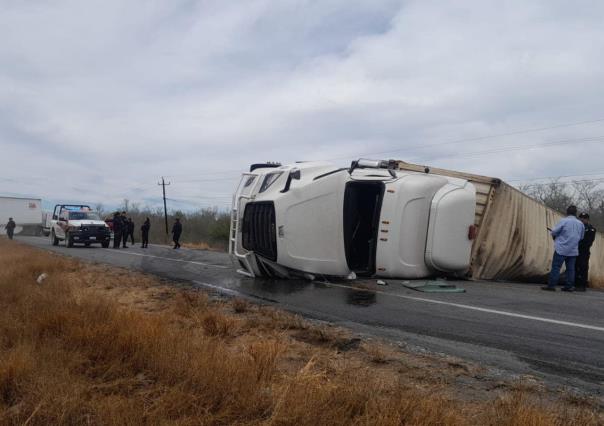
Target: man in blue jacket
<point>567,234</point>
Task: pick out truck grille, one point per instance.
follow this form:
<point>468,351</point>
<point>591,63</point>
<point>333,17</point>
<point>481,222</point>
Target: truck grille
<point>258,231</point>
<point>94,229</point>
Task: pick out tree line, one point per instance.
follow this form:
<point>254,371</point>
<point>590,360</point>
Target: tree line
<point>587,195</point>
<point>207,226</point>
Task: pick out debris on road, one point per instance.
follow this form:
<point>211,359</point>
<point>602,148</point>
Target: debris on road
<point>433,287</point>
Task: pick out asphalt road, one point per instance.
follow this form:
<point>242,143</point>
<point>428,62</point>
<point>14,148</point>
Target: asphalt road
<point>516,329</point>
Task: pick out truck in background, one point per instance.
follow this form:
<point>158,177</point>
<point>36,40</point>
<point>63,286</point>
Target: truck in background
<point>26,212</point>
<point>78,224</point>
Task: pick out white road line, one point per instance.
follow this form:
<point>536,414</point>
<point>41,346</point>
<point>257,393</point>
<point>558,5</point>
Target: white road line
<point>217,287</point>
<point>170,259</point>
<point>476,308</point>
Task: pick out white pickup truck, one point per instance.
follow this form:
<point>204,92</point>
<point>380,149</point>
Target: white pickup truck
<point>312,218</point>
<point>78,224</point>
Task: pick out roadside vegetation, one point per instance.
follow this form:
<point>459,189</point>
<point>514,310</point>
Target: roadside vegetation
<point>587,195</point>
<point>99,345</point>
<point>204,229</point>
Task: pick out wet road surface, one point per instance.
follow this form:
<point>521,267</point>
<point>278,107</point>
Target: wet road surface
<point>515,328</point>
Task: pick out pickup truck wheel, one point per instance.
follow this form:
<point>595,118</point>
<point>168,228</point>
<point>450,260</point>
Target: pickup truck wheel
<point>68,240</point>
<point>53,239</point>
<point>105,244</point>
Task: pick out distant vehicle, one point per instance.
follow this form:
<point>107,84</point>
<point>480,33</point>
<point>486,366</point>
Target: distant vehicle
<point>26,212</point>
<point>370,219</point>
<point>78,224</point>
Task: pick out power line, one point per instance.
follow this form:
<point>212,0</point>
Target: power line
<point>473,139</point>
<point>595,139</point>
<point>210,180</point>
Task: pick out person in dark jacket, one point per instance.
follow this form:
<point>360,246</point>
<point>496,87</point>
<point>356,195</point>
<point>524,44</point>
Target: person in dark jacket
<point>145,233</point>
<point>117,230</point>
<point>582,269</point>
<point>10,228</point>
<point>124,229</point>
<point>130,230</point>
<point>176,232</point>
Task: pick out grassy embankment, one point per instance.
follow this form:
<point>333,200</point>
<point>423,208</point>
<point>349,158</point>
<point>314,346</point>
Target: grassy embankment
<point>99,345</point>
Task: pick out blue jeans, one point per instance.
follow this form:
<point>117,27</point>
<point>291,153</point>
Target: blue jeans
<point>554,274</point>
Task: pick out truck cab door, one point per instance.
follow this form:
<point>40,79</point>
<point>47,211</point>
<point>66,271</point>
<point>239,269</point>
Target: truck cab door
<point>310,226</point>
<point>61,224</point>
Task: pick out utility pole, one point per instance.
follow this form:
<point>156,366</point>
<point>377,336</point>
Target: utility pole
<point>163,185</point>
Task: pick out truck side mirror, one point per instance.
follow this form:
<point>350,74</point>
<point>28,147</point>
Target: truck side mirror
<point>293,174</point>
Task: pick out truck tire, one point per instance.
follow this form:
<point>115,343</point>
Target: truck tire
<point>105,244</point>
<point>68,240</point>
<point>53,238</point>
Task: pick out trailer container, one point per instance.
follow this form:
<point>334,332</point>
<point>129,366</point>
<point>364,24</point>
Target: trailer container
<point>26,212</point>
<point>512,238</point>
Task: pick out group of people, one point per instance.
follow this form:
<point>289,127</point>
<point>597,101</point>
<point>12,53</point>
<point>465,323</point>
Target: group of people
<point>123,229</point>
<point>573,238</point>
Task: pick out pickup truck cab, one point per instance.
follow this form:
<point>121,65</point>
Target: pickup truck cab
<point>313,218</point>
<point>78,224</point>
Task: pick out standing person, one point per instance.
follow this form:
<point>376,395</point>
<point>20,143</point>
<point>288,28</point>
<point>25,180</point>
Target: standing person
<point>131,230</point>
<point>584,253</point>
<point>567,234</point>
<point>176,232</point>
<point>117,230</point>
<point>124,229</point>
<point>145,233</point>
<point>10,228</point>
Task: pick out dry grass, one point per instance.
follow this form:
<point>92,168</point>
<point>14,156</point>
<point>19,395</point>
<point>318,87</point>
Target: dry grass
<point>94,345</point>
<point>240,305</point>
<point>204,246</point>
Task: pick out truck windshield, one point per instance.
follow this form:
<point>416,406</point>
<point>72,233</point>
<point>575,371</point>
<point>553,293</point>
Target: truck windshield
<point>83,216</point>
<point>362,207</point>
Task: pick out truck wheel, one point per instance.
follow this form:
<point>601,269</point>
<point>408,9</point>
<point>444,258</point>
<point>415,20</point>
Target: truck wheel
<point>53,239</point>
<point>105,244</point>
<point>68,240</point>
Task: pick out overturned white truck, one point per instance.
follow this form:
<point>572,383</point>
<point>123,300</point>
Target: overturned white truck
<point>371,219</point>
<point>391,219</point>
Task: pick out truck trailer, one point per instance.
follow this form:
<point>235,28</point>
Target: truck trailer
<point>26,212</point>
<point>390,219</point>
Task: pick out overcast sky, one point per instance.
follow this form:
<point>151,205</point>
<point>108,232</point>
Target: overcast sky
<point>99,99</point>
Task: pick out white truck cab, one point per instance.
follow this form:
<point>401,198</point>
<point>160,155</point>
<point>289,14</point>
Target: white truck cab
<point>78,224</point>
<point>313,218</point>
